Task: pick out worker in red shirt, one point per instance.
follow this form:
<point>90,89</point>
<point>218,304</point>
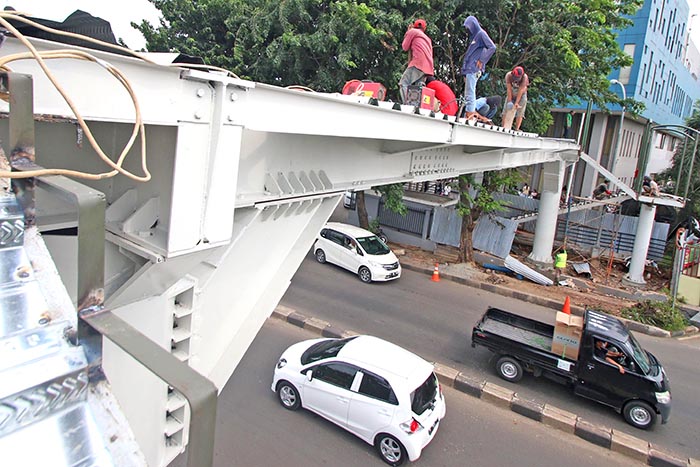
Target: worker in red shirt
<point>420,57</point>
<point>443,93</point>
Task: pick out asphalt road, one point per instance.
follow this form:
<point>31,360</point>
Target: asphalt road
<point>254,430</point>
<point>435,321</point>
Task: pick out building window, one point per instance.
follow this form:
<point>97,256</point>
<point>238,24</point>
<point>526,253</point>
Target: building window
<point>662,141</point>
<point>625,72</point>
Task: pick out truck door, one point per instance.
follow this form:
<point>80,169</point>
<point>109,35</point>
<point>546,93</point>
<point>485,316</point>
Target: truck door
<point>601,380</point>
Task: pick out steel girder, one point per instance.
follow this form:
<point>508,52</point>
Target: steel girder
<point>244,177</point>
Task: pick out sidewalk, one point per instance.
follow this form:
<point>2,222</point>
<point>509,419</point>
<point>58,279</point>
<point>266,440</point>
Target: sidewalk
<point>583,293</point>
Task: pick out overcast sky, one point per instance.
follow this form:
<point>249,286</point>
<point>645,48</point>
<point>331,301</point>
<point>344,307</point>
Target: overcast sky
<point>120,13</point>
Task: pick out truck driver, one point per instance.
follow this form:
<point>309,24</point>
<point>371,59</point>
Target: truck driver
<point>609,353</point>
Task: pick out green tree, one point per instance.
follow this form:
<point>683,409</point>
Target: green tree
<point>476,199</point>
<point>393,200</point>
<point>567,47</point>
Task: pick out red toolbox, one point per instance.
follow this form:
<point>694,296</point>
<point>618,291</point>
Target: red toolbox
<point>365,88</point>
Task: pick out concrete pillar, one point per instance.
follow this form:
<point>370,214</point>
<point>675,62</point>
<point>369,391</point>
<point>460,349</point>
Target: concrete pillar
<point>552,179</point>
<point>635,276</point>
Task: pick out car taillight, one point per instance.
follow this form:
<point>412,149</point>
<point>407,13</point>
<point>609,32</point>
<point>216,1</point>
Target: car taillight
<point>411,426</point>
<point>440,388</point>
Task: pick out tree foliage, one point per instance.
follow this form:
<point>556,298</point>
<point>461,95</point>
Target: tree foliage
<point>392,195</point>
<point>567,47</point>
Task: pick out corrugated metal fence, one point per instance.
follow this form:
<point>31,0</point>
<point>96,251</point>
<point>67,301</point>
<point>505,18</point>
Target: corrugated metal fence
<point>413,222</point>
<point>588,229</point>
<point>691,261</point>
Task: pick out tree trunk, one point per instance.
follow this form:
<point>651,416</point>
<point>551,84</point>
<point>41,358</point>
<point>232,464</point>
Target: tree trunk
<point>466,252</point>
<point>361,209</point>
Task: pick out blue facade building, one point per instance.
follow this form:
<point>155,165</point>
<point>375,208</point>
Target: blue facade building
<point>660,77</point>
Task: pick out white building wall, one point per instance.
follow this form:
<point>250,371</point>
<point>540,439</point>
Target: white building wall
<point>626,163</point>
<point>591,178</point>
<point>661,156</point>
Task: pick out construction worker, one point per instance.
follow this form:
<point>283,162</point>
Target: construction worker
<point>559,265</point>
<point>602,191</point>
<point>481,49</point>
<point>420,57</point>
<point>517,82</point>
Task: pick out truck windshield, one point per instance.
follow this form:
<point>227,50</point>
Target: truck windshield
<point>640,356</point>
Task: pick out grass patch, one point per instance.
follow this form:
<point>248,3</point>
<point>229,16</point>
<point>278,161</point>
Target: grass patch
<point>659,314</point>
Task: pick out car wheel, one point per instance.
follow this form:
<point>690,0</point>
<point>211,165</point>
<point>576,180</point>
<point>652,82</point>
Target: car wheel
<point>365,275</point>
<point>509,369</point>
<point>288,395</point>
<point>390,449</point>
<point>639,414</point>
<point>320,256</point>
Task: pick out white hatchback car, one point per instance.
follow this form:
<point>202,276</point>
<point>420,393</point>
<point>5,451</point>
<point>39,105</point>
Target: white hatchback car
<point>384,394</point>
<point>357,250</point>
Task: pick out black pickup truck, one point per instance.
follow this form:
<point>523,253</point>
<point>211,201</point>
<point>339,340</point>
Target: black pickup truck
<point>634,383</point>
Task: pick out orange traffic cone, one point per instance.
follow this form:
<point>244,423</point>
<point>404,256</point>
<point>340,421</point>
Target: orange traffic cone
<point>436,274</point>
<point>567,306</point>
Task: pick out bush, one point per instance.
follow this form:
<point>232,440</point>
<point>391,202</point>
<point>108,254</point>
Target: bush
<point>659,314</point>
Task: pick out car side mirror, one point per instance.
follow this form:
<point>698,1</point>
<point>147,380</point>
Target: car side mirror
<point>309,374</point>
<point>359,252</point>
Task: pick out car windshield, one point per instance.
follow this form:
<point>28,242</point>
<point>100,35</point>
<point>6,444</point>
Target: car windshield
<point>640,356</point>
<point>423,398</point>
<point>373,246</point>
<point>324,349</point>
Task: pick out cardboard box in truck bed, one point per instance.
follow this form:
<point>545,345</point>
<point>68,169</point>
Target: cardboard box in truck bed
<point>567,335</point>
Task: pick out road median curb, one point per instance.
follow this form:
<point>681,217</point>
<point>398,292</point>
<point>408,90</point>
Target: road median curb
<point>554,417</point>
<point>630,446</point>
<point>598,435</point>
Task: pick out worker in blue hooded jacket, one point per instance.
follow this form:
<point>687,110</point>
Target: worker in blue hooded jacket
<point>481,49</point>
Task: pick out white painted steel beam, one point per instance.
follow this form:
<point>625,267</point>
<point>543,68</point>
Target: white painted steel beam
<point>244,177</point>
<point>664,199</point>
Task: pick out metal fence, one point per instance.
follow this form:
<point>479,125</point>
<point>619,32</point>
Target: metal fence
<point>590,230</point>
<point>594,229</point>
<point>691,261</point>
<point>412,222</point>
<point>612,232</point>
<point>446,226</point>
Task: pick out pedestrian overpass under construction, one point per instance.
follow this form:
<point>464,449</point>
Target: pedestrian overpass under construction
<point>178,273</point>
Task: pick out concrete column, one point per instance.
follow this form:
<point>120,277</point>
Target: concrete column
<point>552,179</point>
<point>635,276</point>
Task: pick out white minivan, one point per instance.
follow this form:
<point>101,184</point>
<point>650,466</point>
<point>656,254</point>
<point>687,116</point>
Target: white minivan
<point>357,250</point>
